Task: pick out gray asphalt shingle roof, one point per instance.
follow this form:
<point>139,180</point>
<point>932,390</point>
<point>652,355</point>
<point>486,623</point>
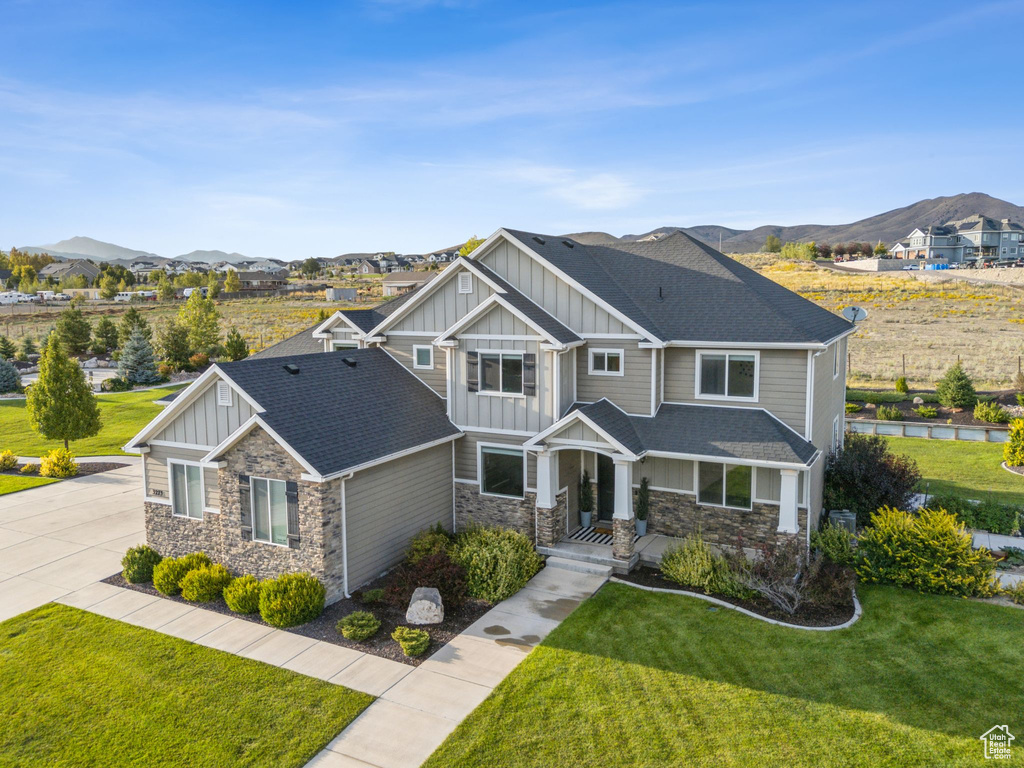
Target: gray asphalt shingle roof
<point>302,343</point>
<point>680,289</point>
<point>338,416</point>
<point>717,431</point>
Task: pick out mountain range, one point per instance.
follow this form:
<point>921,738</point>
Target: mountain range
<point>888,227</point>
<point>87,248</point>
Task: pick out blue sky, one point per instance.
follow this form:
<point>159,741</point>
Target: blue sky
<point>321,128</point>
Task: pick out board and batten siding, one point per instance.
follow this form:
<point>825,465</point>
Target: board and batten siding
<point>157,479</point>
<point>498,321</point>
<point>466,455</point>
<point>386,505</point>
<point>400,348</point>
<point>631,391</point>
<point>442,308</point>
<point>549,291</point>
<point>566,381</point>
<point>665,474</point>
<point>782,384</point>
<point>204,423</point>
<point>522,414</point>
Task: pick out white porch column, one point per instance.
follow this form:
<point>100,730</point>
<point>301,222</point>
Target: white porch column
<point>623,489</point>
<point>788,501</point>
<point>547,479</point>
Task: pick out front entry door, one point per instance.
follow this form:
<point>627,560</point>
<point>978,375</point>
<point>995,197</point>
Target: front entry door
<point>605,488</point>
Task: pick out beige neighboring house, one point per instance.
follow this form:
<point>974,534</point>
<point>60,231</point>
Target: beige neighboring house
<point>397,283</point>
<point>483,396</point>
<point>62,270</point>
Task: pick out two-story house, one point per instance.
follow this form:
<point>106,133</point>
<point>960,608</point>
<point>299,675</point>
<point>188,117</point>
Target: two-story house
<point>485,394</point>
<point>976,237</point>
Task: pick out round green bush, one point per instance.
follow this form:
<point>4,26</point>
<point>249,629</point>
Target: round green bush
<point>428,542</point>
<point>169,572</point>
<point>205,584</point>
<point>291,599</point>
<point>414,642</point>
<point>359,626</point>
<point>498,562</point>
<point>138,563</point>
<point>8,461</point>
<point>243,594</point>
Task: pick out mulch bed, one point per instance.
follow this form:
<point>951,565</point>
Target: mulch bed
<point>963,417</point>
<point>806,616</point>
<point>1015,470</point>
<point>84,468</point>
<point>324,627</point>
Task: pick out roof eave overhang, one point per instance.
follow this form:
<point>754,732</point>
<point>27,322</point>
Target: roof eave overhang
<point>384,459</point>
<point>323,331</point>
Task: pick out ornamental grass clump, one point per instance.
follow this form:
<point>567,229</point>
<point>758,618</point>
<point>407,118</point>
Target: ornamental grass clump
<point>203,585</point>
<point>138,563</point>
<point>693,564</point>
<point>414,642</point>
<point>498,562</point>
<point>889,413</point>
<point>991,412</point>
<point>242,595</point>
<point>291,599</point>
<point>930,551</point>
<point>359,626</point>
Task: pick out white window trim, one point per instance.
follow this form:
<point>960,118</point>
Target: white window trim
<point>598,350</point>
<point>722,464</point>
<point>252,510</point>
<point>223,387</point>
<point>835,361</point>
<point>480,469</point>
<point>837,435</point>
<point>415,349</point>
<point>337,344</point>
<point>202,488</point>
<point>464,282</point>
<point>480,374</point>
<point>727,352</point>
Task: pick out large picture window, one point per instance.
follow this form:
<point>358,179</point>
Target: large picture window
<point>501,373</point>
<point>724,485</point>
<point>269,511</point>
<point>727,375</point>
<point>502,471</point>
<point>186,490</point>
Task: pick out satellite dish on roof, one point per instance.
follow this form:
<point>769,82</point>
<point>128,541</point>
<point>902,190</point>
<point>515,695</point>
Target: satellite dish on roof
<point>855,314</point>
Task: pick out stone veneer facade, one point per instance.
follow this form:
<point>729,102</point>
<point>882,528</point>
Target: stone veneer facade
<point>677,514</point>
<point>473,507</point>
<point>219,534</point>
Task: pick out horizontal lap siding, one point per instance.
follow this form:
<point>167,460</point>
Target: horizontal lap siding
<point>204,423</point>
<point>155,467</point>
<point>781,389</point>
<point>400,348</point>
<point>443,307</point>
<point>631,391</point>
<point>466,450</point>
<point>385,506</point>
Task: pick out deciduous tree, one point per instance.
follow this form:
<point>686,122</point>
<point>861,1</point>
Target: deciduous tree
<point>231,282</point>
<point>772,244</point>
<point>202,321</point>
<point>60,404</point>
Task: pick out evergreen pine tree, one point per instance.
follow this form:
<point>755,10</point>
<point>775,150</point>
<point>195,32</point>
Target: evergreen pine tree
<point>105,337</point>
<point>7,348</point>
<point>74,330</point>
<point>955,389</point>
<point>136,364</point>
<point>28,347</point>
<point>234,346</point>
<point>174,347</point>
<point>10,379</point>
<point>60,404</point>
<point>129,320</point>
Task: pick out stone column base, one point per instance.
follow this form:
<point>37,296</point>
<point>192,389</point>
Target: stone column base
<point>623,532</point>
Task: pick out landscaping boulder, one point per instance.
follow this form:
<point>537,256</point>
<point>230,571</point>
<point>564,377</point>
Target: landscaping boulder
<point>425,607</point>
<point>918,401</point>
<point>90,363</point>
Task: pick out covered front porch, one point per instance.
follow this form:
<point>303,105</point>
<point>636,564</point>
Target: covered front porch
<point>737,493</point>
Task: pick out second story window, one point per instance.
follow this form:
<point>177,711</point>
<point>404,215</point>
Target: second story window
<point>606,362</point>
<point>727,375</point>
<point>422,357</point>
<point>501,373</point>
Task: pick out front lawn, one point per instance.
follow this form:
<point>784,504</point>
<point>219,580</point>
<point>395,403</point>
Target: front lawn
<point>12,483</point>
<point>967,469</point>
<point>78,689</point>
<point>122,414</point>
<point>640,679</point>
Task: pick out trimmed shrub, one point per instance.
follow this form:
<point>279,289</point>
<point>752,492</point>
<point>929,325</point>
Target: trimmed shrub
<point>28,469</point>
<point>205,584</point>
<point>835,544</point>
<point>359,626</point>
<point>243,594</point>
<point>414,642</point>
<point>115,384</point>
<point>889,413</point>
<point>371,596</point>
<point>955,389</point>
<point>926,411</point>
<point>993,413</point>
<point>138,563</point>
<point>901,385</point>
<point>498,562</point>
<point>169,572</point>
<point>8,461</point>
<point>854,408</point>
<point>431,541</point>
<point>58,463</point>
<point>291,599</point>
<point>1013,448</point>
<point>437,570</point>
<point>865,475</point>
<point>986,515</point>
<point>930,552</point>
<point>693,564</point>
<point>198,360</point>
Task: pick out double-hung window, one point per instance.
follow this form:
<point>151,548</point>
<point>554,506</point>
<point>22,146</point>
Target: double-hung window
<point>186,490</point>
<point>269,511</point>
<point>501,372</point>
<point>727,375</point>
<point>606,362</point>
<point>502,471</point>
<point>724,485</point>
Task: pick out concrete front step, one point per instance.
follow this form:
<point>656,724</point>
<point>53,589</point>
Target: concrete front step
<point>579,566</point>
<point>592,554</point>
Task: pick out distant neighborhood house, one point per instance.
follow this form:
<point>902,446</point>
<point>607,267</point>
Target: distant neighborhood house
<point>397,283</point>
<point>61,270</point>
<point>971,239</point>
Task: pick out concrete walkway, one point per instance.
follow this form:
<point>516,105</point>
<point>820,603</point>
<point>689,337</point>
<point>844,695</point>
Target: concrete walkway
<point>59,538</point>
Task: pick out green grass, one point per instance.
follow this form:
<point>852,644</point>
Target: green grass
<point>122,415</point>
<point>15,483</point>
<point>870,396</point>
<point>640,679</point>
<point>78,689</point>
<point>963,468</point>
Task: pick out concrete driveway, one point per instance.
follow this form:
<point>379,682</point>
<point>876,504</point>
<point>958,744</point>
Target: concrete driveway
<point>61,537</point>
